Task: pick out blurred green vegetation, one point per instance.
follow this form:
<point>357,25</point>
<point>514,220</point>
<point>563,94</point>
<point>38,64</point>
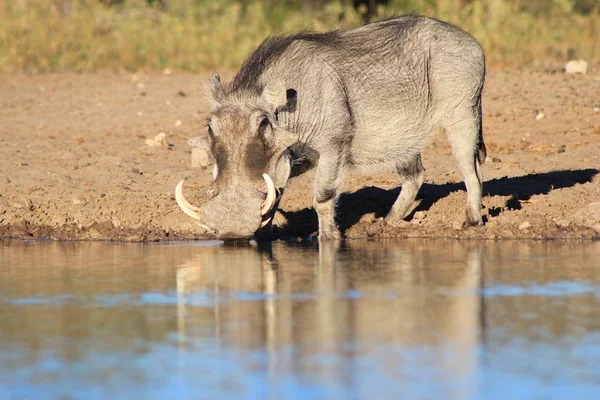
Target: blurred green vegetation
<point>83,35</point>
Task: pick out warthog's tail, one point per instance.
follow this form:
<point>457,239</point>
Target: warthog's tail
<point>481,150</point>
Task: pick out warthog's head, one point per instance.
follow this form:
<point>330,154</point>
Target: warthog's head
<point>251,163</point>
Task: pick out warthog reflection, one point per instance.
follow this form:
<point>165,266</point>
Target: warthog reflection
<point>318,300</point>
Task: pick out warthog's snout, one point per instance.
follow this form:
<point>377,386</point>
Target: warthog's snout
<point>229,217</point>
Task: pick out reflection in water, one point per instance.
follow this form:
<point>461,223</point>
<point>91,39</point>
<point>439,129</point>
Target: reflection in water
<point>360,319</point>
<point>343,301</point>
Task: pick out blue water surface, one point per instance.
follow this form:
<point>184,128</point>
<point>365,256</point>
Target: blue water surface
<point>369,320</point>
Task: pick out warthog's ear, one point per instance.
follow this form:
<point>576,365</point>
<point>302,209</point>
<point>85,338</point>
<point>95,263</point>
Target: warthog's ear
<point>215,91</point>
<point>275,94</point>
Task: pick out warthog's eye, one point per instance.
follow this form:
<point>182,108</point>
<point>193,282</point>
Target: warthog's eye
<point>264,124</point>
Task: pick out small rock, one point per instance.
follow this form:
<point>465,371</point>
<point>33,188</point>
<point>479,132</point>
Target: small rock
<point>167,71</point>
<point>140,113</point>
<point>79,139</point>
<point>181,93</point>
<point>178,123</point>
<point>77,202</point>
<point>197,141</point>
<point>200,158</point>
<point>597,108</point>
<point>576,67</point>
<point>562,223</point>
<point>525,225</point>
<point>419,215</point>
<point>24,164</point>
<point>158,140</point>
<point>140,85</point>
<point>496,160</point>
<point>540,116</point>
<point>562,148</point>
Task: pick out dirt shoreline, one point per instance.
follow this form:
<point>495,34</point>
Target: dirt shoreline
<point>74,163</point>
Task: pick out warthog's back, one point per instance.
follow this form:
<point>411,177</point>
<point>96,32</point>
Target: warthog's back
<point>386,80</point>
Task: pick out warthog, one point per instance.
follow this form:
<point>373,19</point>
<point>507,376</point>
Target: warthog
<point>364,97</point>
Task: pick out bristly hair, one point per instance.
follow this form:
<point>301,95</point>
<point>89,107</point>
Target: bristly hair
<point>269,51</point>
<point>274,47</point>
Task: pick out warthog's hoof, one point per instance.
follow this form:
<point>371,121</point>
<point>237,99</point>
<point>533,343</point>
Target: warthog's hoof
<point>330,234</point>
<point>469,223</point>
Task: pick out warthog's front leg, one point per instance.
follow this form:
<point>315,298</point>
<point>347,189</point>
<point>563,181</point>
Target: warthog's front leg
<point>328,180</point>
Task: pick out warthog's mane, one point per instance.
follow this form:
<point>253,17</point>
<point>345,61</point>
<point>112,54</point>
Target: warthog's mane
<point>274,47</point>
<point>269,51</point>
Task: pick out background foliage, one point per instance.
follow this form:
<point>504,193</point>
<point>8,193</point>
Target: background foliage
<point>44,35</point>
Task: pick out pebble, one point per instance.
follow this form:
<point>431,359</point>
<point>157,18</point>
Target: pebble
<point>496,160</point>
<point>576,67</point>
<point>419,215</point>
<point>562,148</point>
<point>178,123</point>
<point>200,158</point>
<point>158,140</point>
<point>540,116</point>
<point>525,225</point>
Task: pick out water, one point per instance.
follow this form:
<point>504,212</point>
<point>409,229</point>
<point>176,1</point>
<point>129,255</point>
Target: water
<point>364,320</point>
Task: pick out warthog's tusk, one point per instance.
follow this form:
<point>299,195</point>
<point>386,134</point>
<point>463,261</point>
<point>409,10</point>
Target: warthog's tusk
<point>185,206</point>
<point>269,202</point>
<point>265,222</point>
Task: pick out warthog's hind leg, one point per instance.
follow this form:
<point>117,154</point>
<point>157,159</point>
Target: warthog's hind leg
<point>464,138</point>
<point>412,176</point>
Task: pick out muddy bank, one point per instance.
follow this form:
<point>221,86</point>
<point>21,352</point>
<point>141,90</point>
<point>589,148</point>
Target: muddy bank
<point>75,163</point>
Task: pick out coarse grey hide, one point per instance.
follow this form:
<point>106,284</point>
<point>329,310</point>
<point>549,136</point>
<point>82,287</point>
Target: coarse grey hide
<point>368,97</point>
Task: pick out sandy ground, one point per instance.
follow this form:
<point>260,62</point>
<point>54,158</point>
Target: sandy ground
<point>74,163</point>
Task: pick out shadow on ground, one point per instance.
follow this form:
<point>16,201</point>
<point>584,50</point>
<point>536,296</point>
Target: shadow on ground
<point>353,206</point>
